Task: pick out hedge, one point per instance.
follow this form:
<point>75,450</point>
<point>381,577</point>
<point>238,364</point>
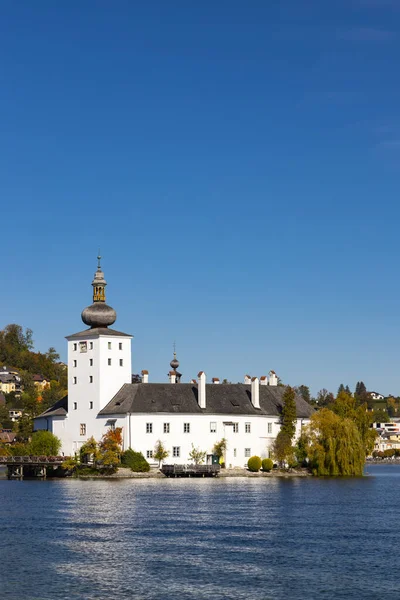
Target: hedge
<point>254,464</point>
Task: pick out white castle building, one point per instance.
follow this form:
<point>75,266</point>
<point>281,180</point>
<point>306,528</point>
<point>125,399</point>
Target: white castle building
<point>101,396</point>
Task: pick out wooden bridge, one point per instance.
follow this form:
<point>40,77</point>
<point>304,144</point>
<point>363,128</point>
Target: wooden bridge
<point>34,466</point>
<point>191,470</point>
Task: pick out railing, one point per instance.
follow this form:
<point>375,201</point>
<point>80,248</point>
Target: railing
<point>31,460</point>
<point>186,470</point>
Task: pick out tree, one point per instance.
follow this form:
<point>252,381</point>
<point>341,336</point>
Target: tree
<point>5,421</point>
<point>219,448</point>
<point>44,443</point>
<point>347,390</point>
<point>110,448</point>
<point>380,416</point>
<point>282,447</point>
<point>334,445</point>
<point>160,452</point>
<point>197,455</point>
<point>289,415</point>
<point>304,392</point>
<point>346,407</point>
<point>324,398</point>
<point>341,389</point>
<point>391,406</point>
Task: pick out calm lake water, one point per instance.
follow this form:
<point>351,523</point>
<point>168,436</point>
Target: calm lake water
<point>180,539</point>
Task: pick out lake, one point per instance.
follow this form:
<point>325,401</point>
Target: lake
<point>180,539</point>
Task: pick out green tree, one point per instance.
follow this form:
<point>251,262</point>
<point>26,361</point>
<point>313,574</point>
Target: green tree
<point>341,389</point>
<point>334,445</point>
<point>219,448</point>
<point>304,392</point>
<point>289,416</point>
<point>44,443</point>
<point>197,455</point>
<point>282,448</point>
<point>324,398</point>
<point>380,416</point>
<point>5,421</point>
<point>160,452</point>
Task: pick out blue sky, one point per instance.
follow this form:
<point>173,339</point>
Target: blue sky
<point>237,163</point>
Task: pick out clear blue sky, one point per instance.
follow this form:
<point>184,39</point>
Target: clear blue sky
<point>238,164</point>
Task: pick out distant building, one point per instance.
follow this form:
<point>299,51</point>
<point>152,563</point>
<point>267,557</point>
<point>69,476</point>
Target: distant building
<point>376,396</point>
<point>41,382</point>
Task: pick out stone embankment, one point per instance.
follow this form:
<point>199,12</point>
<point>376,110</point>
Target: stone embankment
<point>154,473</point>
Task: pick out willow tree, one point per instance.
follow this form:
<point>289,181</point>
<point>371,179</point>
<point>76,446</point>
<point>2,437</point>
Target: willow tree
<point>334,445</point>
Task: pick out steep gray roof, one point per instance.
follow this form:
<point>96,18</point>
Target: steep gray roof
<point>228,399</point>
<point>59,409</point>
<point>88,333</point>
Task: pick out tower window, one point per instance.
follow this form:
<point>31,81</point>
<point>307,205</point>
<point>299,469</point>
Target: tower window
<point>75,405</point>
<point>82,428</point>
<point>90,405</point>
<point>186,428</point>
<point>91,345</point>
<point>109,362</point>
<point>75,347</point>
<point>120,345</point>
<point>75,363</point>
<point>90,378</point>
<point>149,427</point>
<point>109,345</point>
<point>75,380</point>
<point>121,362</point>
<point>91,362</point>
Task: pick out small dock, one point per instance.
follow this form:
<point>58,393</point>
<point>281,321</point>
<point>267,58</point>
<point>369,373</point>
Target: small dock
<point>191,470</point>
<point>19,467</point>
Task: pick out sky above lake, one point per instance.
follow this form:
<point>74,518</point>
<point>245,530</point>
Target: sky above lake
<point>238,165</point>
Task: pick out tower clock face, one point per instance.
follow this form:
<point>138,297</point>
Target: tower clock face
<point>82,346</point>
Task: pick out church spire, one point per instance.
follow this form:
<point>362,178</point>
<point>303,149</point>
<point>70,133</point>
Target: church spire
<point>99,314</point>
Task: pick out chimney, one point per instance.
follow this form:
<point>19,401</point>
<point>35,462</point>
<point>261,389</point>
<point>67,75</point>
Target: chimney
<point>201,388</point>
<point>145,376</point>
<point>215,380</point>
<point>172,377</point>
<point>255,392</point>
<point>247,379</point>
<point>193,382</point>
<point>263,380</point>
<point>273,379</point>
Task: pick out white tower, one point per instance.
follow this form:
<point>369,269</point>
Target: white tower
<point>99,364</point>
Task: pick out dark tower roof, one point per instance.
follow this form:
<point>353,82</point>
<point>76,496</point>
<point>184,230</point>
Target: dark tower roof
<point>99,314</point>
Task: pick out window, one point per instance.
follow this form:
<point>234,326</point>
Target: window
<point>91,362</point>
<point>109,362</point>
<point>213,427</point>
<point>109,345</point>
<point>90,378</point>
<point>75,405</point>
<point>120,345</point>
<point>149,453</point>
<point>166,427</point>
<point>269,427</point>
<point>247,427</point>
<point>90,405</point>
<point>74,380</point>
<point>75,347</point>
<point>176,451</point>
<point>149,427</point>
<point>236,428</point>
<point>269,453</point>
<point>112,425</point>
<point>82,346</point>
<point>121,362</point>
<point>234,453</point>
<point>90,345</point>
<point>83,428</point>
<point>186,428</point>
<point>247,452</point>
<point>75,363</point>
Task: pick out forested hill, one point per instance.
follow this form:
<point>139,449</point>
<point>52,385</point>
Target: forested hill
<point>16,350</point>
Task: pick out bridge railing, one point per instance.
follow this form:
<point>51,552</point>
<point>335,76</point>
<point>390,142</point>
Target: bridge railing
<point>32,459</point>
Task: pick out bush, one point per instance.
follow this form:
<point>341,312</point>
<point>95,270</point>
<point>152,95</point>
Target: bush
<point>44,443</point>
<point>254,464</point>
<point>388,453</point>
<point>135,461</point>
<point>267,464</point>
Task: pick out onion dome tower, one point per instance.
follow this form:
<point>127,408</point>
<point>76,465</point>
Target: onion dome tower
<point>174,375</point>
<point>99,314</point>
